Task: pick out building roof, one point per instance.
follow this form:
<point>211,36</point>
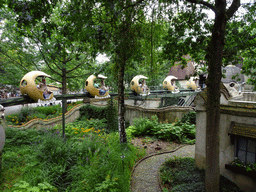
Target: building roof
<point>180,73</point>
<point>231,71</point>
<point>243,130</point>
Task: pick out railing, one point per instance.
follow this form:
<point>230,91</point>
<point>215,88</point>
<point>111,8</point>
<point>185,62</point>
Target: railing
<point>249,96</point>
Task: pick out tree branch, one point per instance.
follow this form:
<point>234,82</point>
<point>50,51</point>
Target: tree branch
<point>75,76</point>
<point>131,5</point>
<point>203,3</point>
<point>233,8</point>
<point>20,64</point>
<point>40,50</point>
<point>74,68</point>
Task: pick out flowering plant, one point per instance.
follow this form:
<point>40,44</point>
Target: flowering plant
<point>245,166</point>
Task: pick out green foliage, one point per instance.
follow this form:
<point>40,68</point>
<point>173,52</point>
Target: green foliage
<point>181,132</point>
<point>168,132</point>
<point>83,127</point>
<point>109,113</point>
<point>89,111</point>
<point>169,101</point>
<point>189,118</point>
<point>49,110</point>
<point>244,166</point>
<point>16,153</point>
<point>107,185</point>
<point>144,126</point>
<point>23,186</point>
<point>16,137</point>
<point>192,187</point>
<point>27,114</point>
<point>181,175</point>
<point>32,158</point>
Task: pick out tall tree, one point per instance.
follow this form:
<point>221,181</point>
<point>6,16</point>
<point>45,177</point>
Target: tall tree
<point>16,54</point>
<point>214,58</point>
<point>123,30</point>
<point>65,58</point>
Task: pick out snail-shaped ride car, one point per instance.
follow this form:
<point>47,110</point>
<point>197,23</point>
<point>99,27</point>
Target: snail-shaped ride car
<point>139,88</point>
<point>169,84</point>
<point>192,84</point>
<point>96,90</point>
<point>35,91</point>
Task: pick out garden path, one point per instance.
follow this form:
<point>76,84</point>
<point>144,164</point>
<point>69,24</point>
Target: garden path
<point>145,176</point>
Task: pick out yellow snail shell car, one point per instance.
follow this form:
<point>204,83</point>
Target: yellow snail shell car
<point>136,87</point>
<point>28,86</point>
<point>95,92</point>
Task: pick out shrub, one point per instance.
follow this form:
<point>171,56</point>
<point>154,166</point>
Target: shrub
<point>91,163</point>
<point>189,118</point>
<point>144,126</point>
<point>49,110</point>
<point>181,132</point>
<point>23,186</point>
<point>181,175</point>
<point>108,113</point>
<point>189,130</point>
<point>91,112</point>
<point>27,114</point>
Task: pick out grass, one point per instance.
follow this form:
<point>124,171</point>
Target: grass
<point>88,160</point>
<point>181,175</point>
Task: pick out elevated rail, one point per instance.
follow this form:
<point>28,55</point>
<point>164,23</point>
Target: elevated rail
<point>24,99</point>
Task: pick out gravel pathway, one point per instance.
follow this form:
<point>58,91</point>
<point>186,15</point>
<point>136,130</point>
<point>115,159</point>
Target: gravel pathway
<point>145,175</point>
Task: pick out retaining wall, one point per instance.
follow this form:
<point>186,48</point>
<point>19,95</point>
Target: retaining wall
<point>149,108</point>
<point>166,114</point>
<point>70,116</point>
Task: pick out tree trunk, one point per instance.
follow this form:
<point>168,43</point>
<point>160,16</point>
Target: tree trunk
<point>121,120</point>
<point>215,55</point>
<point>64,87</point>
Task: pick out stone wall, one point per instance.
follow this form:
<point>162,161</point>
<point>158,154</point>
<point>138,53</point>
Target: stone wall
<point>149,108</point>
<point>239,112</point>
<point>166,114</point>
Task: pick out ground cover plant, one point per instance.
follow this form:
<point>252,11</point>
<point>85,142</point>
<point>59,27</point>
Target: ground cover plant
<point>87,159</point>
<point>181,175</point>
<point>181,131</point>
<point>42,112</point>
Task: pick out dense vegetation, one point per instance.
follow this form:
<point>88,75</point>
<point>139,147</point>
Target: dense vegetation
<point>181,175</point>
<point>180,131</point>
<point>108,113</point>
<point>87,159</point>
